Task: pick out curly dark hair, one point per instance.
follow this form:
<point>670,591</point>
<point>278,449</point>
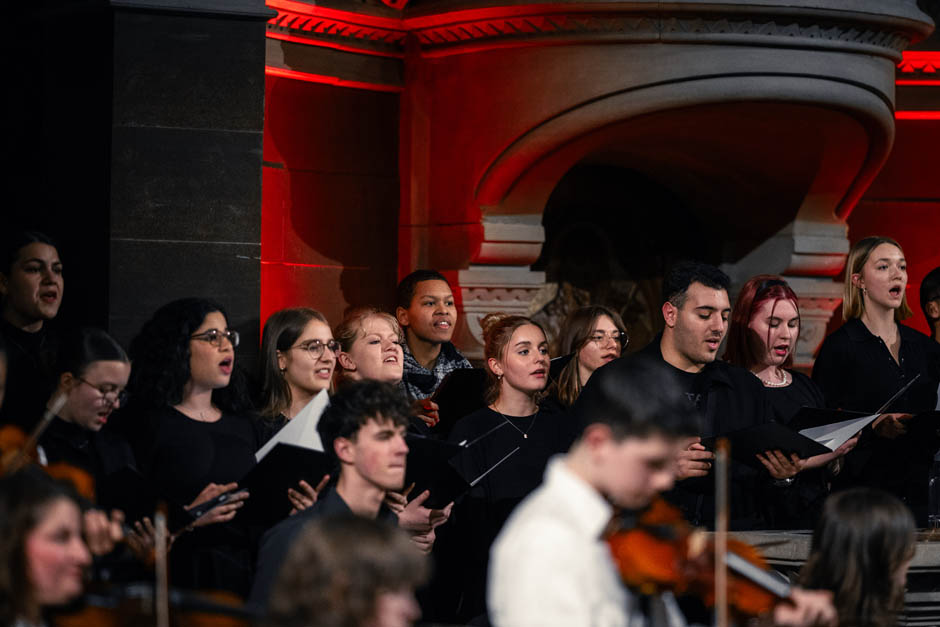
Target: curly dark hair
<point>160,356</point>
<point>24,496</point>
<point>357,403</point>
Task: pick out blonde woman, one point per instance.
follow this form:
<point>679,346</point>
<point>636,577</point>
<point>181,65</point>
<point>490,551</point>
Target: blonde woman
<point>867,360</point>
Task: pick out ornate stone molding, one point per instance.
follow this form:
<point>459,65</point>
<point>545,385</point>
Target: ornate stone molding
<point>488,289</point>
<point>819,300</point>
<point>818,24</point>
<point>919,65</point>
<point>318,26</point>
<point>511,239</point>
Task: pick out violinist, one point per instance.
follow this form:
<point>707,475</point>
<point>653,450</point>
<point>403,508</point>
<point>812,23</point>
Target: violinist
<point>31,287</point>
<point>42,554</point>
<point>550,564</point>
<point>92,373</point>
<point>867,360</point>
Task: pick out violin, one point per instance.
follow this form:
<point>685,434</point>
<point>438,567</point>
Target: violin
<point>662,552</point>
<point>18,450</point>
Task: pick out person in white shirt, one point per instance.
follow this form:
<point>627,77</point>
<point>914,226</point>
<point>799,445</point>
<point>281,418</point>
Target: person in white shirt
<point>550,564</point>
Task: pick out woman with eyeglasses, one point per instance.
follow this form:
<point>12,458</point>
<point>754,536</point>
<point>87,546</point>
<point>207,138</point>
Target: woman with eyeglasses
<point>93,370</point>
<point>762,336</point>
<point>31,287</point>
<point>298,356</point>
<point>199,436</point>
<point>591,336</point>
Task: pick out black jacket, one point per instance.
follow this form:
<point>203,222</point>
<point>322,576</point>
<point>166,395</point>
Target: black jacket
<point>276,542</point>
<point>728,398</point>
<point>855,371</point>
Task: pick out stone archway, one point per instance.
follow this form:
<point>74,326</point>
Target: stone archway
<point>818,87</point>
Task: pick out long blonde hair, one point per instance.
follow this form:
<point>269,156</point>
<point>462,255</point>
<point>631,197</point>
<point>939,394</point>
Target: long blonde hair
<point>853,303</point>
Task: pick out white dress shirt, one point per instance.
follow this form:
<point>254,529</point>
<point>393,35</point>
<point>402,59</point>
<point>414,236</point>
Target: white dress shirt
<point>549,566</point>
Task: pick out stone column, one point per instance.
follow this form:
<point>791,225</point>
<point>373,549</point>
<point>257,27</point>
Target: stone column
<point>498,278</point>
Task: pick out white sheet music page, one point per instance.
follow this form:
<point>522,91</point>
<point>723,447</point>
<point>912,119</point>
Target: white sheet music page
<point>836,434</point>
<point>301,430</point>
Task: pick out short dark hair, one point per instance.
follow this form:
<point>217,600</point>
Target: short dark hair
<point>636,398</point>
<point>685,273</point>
<point>357,403</point>
<point>408,285</point>
<point>85,347</point>
<point>930,291</point>
<point>13,242</point>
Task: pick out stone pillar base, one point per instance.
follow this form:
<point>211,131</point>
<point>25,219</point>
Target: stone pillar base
<point>489,289</point>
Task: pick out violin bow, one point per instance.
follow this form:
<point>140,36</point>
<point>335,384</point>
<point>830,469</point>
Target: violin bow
<point>161,587</point>
<point>55,405</point>
<point>721,532</point>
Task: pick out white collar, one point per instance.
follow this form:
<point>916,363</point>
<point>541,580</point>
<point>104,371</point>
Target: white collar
<point>588,508</point>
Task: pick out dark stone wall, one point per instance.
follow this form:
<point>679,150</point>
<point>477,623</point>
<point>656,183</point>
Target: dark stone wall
<point>186,137</point>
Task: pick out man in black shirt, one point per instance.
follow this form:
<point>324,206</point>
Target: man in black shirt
<point>364,429</point>
<point>695,311</point>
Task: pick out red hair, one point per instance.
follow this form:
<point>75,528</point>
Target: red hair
<point>744,348</point>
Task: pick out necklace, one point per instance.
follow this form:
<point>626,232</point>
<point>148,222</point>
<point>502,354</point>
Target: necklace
<point>783,382</point>
<point>525,434</point>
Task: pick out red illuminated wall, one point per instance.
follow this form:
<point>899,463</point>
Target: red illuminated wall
<point>330,197</point>
<point>904,203</point>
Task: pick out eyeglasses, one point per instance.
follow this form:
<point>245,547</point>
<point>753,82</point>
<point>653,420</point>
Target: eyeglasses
<point>111,394</point>
<point>600,337</point>
<point>315,348</point>
<point>214,337</point>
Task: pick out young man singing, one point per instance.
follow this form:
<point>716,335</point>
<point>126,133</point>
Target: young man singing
<point>364,429</point>
<point>427,313</point>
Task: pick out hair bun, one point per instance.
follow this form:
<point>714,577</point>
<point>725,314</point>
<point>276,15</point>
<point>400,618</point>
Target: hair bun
<point>490,321</point>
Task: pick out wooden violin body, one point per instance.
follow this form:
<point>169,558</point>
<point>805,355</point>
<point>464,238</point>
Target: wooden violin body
<point>663,552</point>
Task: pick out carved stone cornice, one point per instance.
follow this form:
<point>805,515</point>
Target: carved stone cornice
<point>919,65</point>
<point>319,26</point>
<point>807,24</point>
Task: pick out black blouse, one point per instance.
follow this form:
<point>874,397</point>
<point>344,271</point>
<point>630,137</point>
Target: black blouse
<point>482,513</point>
<point>185,455</point>
<point>30,374</point>
<point>800,505</point>
<point>855,371</point>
